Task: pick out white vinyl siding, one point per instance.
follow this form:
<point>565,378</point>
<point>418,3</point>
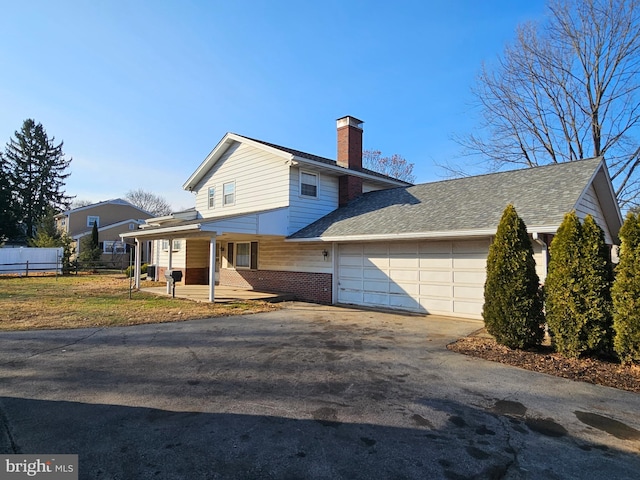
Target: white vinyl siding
<point>178,257</point>
<point>306,210</point>
<point>590,205</point>
<point>442,277</point>
<point>261,182</point>
<point>276,254</point>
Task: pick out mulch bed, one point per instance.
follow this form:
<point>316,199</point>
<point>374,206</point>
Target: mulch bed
<point>544,360</point>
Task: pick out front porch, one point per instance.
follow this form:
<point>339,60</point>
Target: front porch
<point>224,294</point>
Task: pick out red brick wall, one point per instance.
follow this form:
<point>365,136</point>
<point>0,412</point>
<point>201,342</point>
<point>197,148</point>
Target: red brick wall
<point>349,147</point>
<point>349,187</point>
<point>311,287</point>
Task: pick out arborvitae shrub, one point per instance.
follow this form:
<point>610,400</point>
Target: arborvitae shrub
<point>578,289</point>
<point>597,280</point>
<point>626,293</point>
<point>512,309</point>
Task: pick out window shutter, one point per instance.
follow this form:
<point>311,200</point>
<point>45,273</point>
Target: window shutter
<point>254,255</point>
<point>230,254</point>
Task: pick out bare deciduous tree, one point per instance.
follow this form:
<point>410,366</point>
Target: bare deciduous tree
<point>394,166</point>
<point>565,90</point>
<point>150,202</point>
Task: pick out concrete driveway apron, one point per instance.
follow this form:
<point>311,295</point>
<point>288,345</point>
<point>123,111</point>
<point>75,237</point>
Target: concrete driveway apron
<point>305,392</point>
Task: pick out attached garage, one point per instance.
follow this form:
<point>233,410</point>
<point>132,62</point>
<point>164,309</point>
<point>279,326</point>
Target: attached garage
<point>440,277</point>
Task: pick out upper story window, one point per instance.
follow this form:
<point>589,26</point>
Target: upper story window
<point>229,193</point>
<point>132,226</point>
<point>177,245</point>
<point>309,184</point>
<point>212,197</point>
<point>91,219</point>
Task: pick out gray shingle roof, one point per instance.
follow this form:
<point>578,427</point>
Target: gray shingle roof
<point>541,195</point>
<point>316,158</point>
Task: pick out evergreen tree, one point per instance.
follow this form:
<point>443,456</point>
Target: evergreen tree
<point>8,221</point>
<point>626,292</point>
<point>596,290</point>
<point>36,170</point>
<point>90,246</point>
<point>512,308</point>
<point>578,289</point>
<point>47,234</point>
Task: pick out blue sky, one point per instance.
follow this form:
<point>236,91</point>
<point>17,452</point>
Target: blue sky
<point>141,91</point>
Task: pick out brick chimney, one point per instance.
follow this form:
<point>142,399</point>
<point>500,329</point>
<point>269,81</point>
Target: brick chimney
<point>349,156</point>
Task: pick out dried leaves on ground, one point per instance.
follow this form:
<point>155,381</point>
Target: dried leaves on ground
<point>545,360</point>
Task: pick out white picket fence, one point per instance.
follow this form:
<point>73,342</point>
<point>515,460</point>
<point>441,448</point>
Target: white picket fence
<point>24,260</point>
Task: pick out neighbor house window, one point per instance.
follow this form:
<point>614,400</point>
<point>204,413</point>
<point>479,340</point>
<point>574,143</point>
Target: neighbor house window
<point>132,226</point>
<point>229,193</point>
<point>177,245</point>
<point>110,246</point>
<point>212,197</point>
<point>91,219</point>
<point>308,184</point>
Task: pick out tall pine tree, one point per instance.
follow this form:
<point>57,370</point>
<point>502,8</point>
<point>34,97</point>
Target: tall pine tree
<point>626,292</point>
<point>512,308</point>
<point>8,221</point>
<point>36,170</point>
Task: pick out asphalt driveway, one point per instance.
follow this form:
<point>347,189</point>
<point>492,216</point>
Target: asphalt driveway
<point>306,392</point>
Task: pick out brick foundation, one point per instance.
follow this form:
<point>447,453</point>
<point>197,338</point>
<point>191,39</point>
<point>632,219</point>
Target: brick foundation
<point>310,287</point>
<point>196,276</point>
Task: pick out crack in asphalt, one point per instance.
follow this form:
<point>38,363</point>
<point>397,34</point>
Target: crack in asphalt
<point>59,347</point>
<point>4,427</point>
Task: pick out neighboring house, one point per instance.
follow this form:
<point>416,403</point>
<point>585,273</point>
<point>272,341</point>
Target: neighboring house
<point>113,218</point>
<point>272,218</point>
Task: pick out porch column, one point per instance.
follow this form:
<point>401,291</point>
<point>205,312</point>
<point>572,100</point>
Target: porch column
<point>169,267</point>
<point>212,268</point>
<point>138,259</point>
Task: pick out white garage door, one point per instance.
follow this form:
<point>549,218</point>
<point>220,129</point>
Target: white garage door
<point>443,277</point>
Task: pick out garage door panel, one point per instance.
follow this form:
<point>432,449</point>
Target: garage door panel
<point>477,277</point>
<point>403,248</point>
<point>403,275</point>
<point>406,288</point>
<point>435,262</point>
<point>348,284</point>
<point>473,246</point>
<point>351,296</point>
<point>435,247</point>
<point>350,260</point>
<point>350,272</point>
<point>436,305</point>
<point>431,276</point>
<point>403,301</point>
<point>376,249</point>
<point>404,262</point>
<point>441,291</point>
<point>470,262</point>
<point>468,292</point>
<point>376,299</point>
<point>376,262</point>
<point>373,286</point>
<point>350,248</point>
<point>375,274</point>
<point>467,308</point>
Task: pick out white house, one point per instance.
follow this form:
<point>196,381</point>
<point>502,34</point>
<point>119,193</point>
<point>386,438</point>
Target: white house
<point>271,218</point>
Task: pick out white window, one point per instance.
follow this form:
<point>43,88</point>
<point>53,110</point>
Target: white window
<point>177,245</point>
<point>91,219</point>
<point>212,197</point>
<point>110,246</point>
<point>308,184</point>
<point>243,255</point>
<point>229,193</point>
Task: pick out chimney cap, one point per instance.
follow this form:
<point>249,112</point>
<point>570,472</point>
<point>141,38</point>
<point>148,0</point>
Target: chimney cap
<point>349,121</point>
